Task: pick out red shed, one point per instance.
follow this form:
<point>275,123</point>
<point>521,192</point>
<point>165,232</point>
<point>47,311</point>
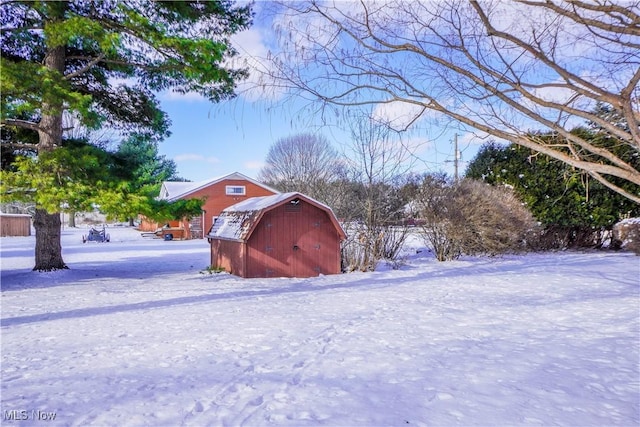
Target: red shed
<point>284,235</point>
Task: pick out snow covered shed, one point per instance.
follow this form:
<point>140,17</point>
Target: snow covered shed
<point>284,235</point>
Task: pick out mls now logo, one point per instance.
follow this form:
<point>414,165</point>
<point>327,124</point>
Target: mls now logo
<point>16,415</point>
<point>23,415</point>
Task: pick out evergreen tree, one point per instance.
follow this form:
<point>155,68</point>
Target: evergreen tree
<point>149,169</point>
<point>573,208</point>
<point>104,61</point>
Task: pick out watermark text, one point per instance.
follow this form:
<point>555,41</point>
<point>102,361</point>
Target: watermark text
<point>28,415</point>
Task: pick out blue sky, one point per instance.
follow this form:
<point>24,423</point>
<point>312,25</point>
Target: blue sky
<point>209,140</point>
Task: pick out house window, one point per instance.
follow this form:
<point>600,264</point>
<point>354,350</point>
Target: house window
<point>236,190</point>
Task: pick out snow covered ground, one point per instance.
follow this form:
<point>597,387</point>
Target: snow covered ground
<point>134,334</point>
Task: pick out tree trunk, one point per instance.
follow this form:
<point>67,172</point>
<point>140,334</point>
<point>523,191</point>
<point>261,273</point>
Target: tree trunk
<point>47,225</point>
<point>48,247</point>
<point>72,219</point>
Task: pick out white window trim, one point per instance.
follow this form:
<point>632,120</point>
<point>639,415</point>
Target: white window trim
<point>230,190</point>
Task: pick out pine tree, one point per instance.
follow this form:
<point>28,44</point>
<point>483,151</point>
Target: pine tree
<point>105,61</point>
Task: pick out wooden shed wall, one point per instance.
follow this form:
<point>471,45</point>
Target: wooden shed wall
<point>228,255</point>
<point>294,241</point>
<point>15,225</point>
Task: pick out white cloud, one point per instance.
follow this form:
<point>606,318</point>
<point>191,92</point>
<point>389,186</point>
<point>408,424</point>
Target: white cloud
<point>398,114</point>
<point>477,138</point>
<point>192,157</point>
<point>175,96</point>
<point>254,55</point>
<point>417,145</point>
<point>254,164</point>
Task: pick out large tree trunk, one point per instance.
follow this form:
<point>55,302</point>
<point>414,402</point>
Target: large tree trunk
<point>48,225</point>
<point>48,246</point>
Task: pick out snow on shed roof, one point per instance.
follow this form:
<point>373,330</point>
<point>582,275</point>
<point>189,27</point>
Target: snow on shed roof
<point>237,221</point>
<point>233,225</point>
<point>259,203</point>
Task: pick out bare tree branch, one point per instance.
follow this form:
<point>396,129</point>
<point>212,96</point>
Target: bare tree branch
<point>467,62</point>
<point>617,12</point>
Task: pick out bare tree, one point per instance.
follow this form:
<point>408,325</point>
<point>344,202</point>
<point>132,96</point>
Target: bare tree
<point>372,203</point>
<point>305,162</point>
<point>502,68</point>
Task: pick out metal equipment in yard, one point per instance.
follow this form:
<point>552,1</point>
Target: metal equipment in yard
<point>96,235</point>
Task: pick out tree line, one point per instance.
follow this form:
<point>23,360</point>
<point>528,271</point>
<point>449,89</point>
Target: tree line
<point>472,63</point>
<point>511,199</point>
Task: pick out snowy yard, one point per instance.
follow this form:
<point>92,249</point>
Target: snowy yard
<point>135,335</point>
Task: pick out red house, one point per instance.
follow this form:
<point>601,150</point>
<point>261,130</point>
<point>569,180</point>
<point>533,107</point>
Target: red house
<point>284,235</point>
<point>218,193</point>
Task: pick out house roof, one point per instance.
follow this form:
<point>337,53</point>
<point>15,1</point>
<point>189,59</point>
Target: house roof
<point>238,221</point>
<point>174,190</point>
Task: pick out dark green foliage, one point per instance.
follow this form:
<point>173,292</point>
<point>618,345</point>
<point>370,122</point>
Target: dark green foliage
<point>148,170</point>
<point>15,142</point>
<point>161,210</point>
<point>75,177</point>
<point>162,45</point>
<point>574,208</point>
<point>148,166</point>
<point>82,177</point>
<point>103,62</point>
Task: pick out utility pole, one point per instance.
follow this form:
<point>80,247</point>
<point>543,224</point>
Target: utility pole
<point>455,156</point>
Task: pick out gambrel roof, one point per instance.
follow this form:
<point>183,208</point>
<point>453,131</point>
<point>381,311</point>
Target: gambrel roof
<point>238,221</point>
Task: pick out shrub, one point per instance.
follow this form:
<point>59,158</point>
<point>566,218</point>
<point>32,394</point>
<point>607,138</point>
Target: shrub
<point>357,251</point>
<point>366,246</point>
<point>213,270</point>
<point>473,218</point>
<point>575,210</point>
<point>626,235</point>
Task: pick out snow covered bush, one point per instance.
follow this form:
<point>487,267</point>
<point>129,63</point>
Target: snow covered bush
<point>626,235</point>
<point>356,251</point>
<point>472,218</point>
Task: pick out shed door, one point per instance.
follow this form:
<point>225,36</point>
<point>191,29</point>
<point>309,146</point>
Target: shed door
<point>308,227</point>
<point>293,242</point>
